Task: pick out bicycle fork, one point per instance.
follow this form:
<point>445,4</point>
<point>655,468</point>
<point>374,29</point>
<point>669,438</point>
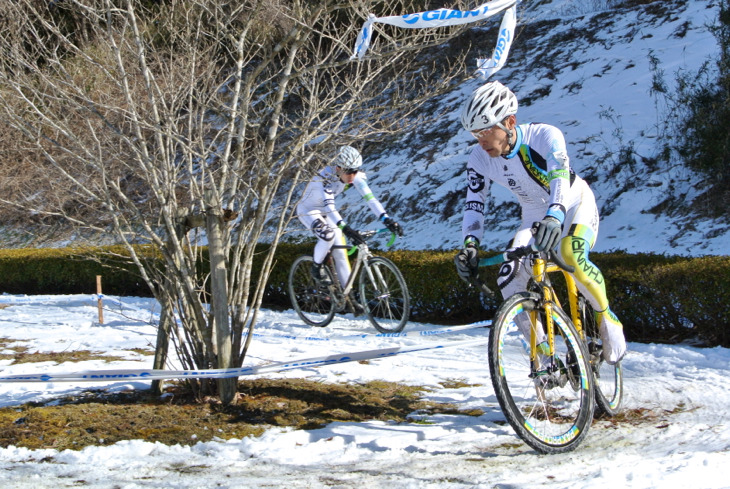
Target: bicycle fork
<point>553,365</point>
<point>546,304</point>
<point>376,278</point>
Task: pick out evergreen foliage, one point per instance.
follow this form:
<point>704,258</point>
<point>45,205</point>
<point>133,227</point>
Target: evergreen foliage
<point>701,116</point>
<point>659,298</point>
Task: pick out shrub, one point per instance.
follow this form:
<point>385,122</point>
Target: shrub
<point>698,120</point>
<point>663,299</point>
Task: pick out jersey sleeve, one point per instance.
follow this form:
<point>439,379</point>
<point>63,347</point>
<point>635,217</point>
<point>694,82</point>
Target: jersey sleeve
<point>361,184</point>
<point>558,172</point>
<point>472,225</point>
<point>328,198</point>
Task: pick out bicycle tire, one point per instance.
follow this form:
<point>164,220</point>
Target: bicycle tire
<point>608,379</point>
<point>550,407</point>
<point>312,302</point>
<point>384,295</point>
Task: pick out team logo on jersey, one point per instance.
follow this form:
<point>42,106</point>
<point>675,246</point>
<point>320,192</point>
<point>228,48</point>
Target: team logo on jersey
<point>474,205</point>
<point>476,181</point>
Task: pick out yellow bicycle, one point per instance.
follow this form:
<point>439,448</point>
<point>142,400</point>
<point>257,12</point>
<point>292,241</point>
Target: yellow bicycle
<point>546,366</point>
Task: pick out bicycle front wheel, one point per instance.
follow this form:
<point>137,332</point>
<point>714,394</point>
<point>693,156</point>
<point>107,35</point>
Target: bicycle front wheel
<point>608,379</point>
<point>384,295</point>
<point>547,397</point>
<point>313,303</point>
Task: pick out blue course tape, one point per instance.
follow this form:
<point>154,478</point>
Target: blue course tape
<point>411,334</point>
<point>140,374</point>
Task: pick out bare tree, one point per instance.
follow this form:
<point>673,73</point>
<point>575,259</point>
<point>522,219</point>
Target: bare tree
<point>165,121</point>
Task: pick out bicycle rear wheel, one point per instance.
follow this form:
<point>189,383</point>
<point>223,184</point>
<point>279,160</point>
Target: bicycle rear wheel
<point>313,303</point>
<point>550,403</point>
<point>608,379</point>
<point>384,295</point>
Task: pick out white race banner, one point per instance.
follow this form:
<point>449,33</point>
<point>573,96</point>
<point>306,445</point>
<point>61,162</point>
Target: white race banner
<point>487,67</point>
<point>448,17</point>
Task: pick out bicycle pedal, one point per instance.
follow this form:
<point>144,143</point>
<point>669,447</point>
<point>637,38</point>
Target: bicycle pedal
<point>596,352</point>
<point>554,374</point>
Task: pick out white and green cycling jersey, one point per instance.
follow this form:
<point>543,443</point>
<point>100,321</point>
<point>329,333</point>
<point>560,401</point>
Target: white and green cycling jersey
<point>318,198</point>
<point>537,171</point>
<point>317,211</point>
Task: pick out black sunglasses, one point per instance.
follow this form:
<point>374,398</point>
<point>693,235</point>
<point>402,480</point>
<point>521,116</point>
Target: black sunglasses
<point>350,172</point>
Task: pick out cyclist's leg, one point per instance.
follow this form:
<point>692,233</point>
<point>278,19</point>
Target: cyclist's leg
<point>575,249</point>
<point>339,253</point>
<point>513,277</point>
<point>325,233</point>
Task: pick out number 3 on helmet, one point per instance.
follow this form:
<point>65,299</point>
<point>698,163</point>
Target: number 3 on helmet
<point>487,106</point>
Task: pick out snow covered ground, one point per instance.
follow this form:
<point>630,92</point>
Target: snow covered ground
<point>681,440</point>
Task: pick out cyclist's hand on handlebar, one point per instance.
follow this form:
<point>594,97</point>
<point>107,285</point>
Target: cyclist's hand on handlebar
<point>547,233</point>
<point>467,263</point>
<point>353,235</point>
<point>393,226</point>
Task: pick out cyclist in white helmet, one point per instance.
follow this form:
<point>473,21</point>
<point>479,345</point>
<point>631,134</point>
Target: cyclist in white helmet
<point>531,160</point>
<point>317,211</point>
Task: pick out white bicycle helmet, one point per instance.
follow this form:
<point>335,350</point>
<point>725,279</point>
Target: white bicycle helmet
<point>488,106</point>
<point>348,158</point>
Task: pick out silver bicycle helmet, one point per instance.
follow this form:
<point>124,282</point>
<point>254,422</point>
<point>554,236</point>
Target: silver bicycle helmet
<point>488,106</point>
<point>348,158</point>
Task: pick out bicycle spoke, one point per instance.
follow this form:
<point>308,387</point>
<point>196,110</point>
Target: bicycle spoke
<point>312,302</point>
<point>608,378</point>
<point>384,295</point>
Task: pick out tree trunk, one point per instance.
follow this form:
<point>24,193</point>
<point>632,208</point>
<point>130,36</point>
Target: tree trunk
<point>227,388</point>
<point>163,343</point>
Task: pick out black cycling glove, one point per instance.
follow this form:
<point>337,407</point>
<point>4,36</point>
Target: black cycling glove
<point>547,233</point>
<point>393,226</point>
<point>467,263</point>
<point>353,235</point>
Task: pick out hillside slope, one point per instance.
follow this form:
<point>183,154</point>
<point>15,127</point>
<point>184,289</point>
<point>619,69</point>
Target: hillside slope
<point>591,74</point>
<point>589,67</point>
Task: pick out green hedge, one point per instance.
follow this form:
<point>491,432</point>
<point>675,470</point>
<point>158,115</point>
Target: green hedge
<point>444,301</point>
<point>669,299</point>
<point>68,271</point>
<point>663,299</point>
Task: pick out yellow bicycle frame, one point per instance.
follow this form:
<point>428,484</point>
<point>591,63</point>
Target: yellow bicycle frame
<point>540,269</point>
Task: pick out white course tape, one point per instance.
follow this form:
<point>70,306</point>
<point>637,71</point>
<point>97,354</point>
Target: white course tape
<point>140,374</point>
